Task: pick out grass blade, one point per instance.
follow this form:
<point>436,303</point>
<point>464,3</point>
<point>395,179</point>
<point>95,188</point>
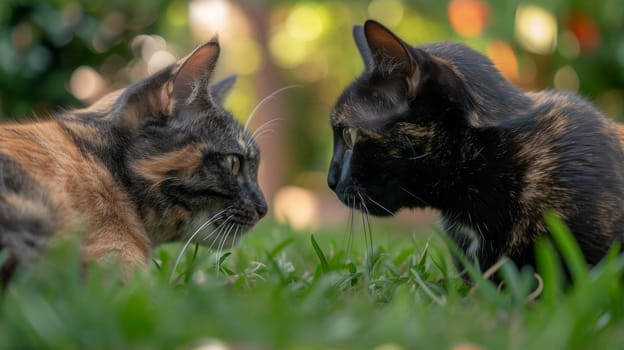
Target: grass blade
<point>440,300</point>
<point>550,269</point>
<point>570,251</point>
<point>319,253</point>
<point>281,246</point>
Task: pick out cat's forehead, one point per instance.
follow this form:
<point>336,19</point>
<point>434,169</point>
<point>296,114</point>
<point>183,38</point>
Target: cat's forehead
<point>222,133</point>
<point>235,139</point>
<point>243,141</point>
<point>367,104</point>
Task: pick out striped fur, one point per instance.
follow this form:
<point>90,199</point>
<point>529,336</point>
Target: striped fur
<point>144,165</point>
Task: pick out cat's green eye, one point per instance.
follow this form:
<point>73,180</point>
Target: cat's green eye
<point>233,163</point>
<point>349,135</point>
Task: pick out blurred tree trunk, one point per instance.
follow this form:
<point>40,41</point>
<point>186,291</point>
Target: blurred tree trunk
<point>274,146</point>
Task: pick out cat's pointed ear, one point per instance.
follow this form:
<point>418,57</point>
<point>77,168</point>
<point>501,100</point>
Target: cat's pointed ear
<point>362,45</point>
<point>390,54</point>
<point>182,84</point>
<point>142,100</point>
<point>220,89</point>
<point>191,77</point>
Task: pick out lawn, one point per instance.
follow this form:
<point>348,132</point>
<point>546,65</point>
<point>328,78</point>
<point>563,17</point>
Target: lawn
<point>281,289</point>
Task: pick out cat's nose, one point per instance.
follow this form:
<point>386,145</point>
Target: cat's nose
<point>339,170</point>
<point>332,181</point>
<point>333,176</point>
<point>261,208</point>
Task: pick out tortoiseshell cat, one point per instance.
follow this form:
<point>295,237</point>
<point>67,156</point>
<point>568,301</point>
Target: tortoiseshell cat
<point>158,161</point>
<point>438,126</point>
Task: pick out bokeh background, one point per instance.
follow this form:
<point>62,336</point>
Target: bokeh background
<point>66,53</point>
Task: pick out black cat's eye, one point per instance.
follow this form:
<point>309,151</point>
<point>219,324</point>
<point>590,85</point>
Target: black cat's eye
<point>233,163</point>
<point>349,135</point>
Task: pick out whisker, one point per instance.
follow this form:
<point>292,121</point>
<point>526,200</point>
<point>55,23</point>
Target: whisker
<point>350,225</point>
<point>217,233</point>
<point>368,232</point>
<point>256,137</point>
<point>224,236</point>
<point>265,125</point>
<point>220,234</point>
<point>363,212</point>
<point>265,99</point>
<point>348,235</point>
<point>413,195</point>
<point>188,241</point>
<point>413,150</point>
<point>370,228</point>
<point>236,232</point>
<point>379,205</point>
<point>363,225</point>
<point>219,229</point>
<point>478,153</point>
<point>221,245</point>
<point>366,241</point>
<point>262,129</point>
<point>238,228</point>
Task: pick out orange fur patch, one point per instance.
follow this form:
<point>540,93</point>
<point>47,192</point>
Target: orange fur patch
<point>86,132</point>
<point>82,190</point>
<point>159,168</point>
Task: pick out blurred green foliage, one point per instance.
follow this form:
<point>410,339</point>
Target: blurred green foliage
<point>43,42</point>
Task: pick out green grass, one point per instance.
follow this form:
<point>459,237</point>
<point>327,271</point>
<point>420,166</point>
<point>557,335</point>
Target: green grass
<point>308,290</point>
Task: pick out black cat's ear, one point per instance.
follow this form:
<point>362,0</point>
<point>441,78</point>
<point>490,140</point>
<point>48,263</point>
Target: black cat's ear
<point>220,89</point>
<point>391,55</point>
<point>362,45</point>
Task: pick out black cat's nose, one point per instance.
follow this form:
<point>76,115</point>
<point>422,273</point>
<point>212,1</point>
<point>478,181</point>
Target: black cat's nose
<point>332,182</point>
<point>261,208</point>
<point>332,177</point>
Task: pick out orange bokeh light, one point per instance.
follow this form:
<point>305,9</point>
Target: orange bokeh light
<point>468,17</point>
<point>586,31</point>
<point>504,58</point>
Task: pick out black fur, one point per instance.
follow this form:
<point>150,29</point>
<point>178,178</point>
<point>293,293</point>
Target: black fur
<point>438,126</point>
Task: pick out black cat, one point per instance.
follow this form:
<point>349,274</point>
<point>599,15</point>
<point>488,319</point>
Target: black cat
<point>438,126</point>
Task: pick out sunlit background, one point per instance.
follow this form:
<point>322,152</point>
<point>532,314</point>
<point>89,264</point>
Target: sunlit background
<point>63,53</point>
